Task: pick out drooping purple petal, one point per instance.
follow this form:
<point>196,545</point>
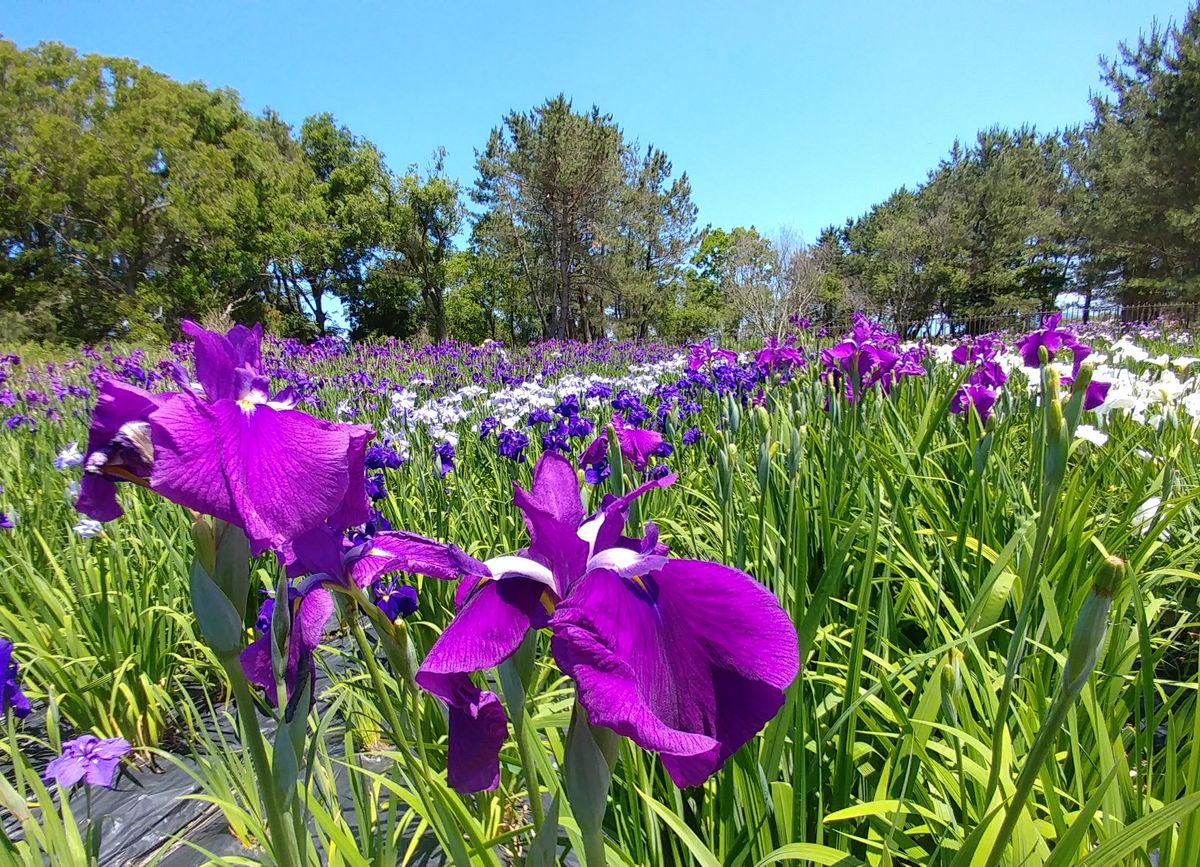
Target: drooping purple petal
<point>400,551</point>
<point>486,631</point>
<point>119,442</point>
<point>355,507</point>
<point>690,661</point>
<point>274,473</point>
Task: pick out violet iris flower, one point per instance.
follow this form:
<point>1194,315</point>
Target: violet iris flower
<point>779,356</point>
<point>251,459</point>
<point>88,758</point>
<point>328,561</point>
<point>703,354</point>
<point>1052,338</point>
<point>11,695</point>
<point>684,657</point>
<point>394,600</point>
<point>979,396</point>
<point>637,446</point>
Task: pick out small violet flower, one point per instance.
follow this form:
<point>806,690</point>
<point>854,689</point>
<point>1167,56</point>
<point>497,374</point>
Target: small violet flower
<point>88,758</point>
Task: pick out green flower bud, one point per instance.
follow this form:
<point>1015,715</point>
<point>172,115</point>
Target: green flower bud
<point>1091,628</point>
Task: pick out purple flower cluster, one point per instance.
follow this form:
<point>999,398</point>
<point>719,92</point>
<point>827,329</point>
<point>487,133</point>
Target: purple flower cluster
<point>869,355</point>
<point>986,377</point>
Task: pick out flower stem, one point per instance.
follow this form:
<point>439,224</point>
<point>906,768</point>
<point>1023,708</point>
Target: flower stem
<point>283,840</point>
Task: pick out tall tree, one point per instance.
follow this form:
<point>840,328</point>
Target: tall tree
<point>550,181</point>
<point>1142,165</point>
<point>127,200</point>
<point>341,213</point>
<point>656,234</point>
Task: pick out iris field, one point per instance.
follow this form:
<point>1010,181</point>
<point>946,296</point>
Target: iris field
<point>838,600</point>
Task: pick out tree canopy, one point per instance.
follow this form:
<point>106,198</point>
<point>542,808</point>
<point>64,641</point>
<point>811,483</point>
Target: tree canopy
<point>129,201</point>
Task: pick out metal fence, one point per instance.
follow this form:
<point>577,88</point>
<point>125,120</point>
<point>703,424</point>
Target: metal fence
<point>1167,316</point>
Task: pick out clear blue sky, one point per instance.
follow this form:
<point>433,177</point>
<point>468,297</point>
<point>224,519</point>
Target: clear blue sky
<point>793,114</point>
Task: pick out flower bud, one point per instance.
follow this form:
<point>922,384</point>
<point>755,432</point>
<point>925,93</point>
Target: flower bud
<point>1091,628</point>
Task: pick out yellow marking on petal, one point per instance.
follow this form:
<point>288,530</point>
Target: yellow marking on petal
<point>637,579</point>
<point>246,405</point>
<point>122,473</point>
<point>548,602</point>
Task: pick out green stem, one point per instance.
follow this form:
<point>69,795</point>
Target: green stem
<point>531,779</point>
<point>416,773</point>
<point>283,841</point>
<point>1047,735</point>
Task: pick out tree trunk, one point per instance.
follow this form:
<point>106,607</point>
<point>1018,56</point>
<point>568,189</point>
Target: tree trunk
<point>319,308</point>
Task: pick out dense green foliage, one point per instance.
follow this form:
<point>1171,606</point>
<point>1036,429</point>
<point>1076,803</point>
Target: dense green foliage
<point>128,201</point>
<point>909,545</point>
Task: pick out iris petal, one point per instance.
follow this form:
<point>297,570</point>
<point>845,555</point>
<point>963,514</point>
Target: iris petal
<point>486,631</point>
<point>690,661</point>
<point>274,473</point>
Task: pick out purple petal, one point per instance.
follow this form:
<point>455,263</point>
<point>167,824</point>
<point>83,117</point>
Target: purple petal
<point>215,362</point>
<point>555,489</point>
<point>116,438</point>
<point>319,551</point>
<point>355,508</point>
<point>274,473</point>
<point>65,770</point>
<point>603,529</point>
<point>312,613</point>
<point>553,510</point>
<point>398,551</point>
<point>637,445</point>
<point>100,771</point>
<point>487,630</point>
<point>596,451</point>
<point>690,661</point>
<point>247,345</point>
<point>478,727</point>
<point>256,664</point>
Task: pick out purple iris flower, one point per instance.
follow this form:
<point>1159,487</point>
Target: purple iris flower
<point>578,426</point>
<point>511,444</point>
<point>376,486</point>
<point>242,456</point>
<point>444,453</point>
<point>691,436</point>
<point>394,600</point>
<point>979,396</point>
<point>557,438</point>
<point>776,356</point>
<point>379,456</point>
<point>1052,338</point>
<point>539,416</point>
<point>6,521</point>
<point>88,758</point>
<point>488,425</point>
<point>229,451</point>
<point>684,657</point>
<point>328,561</point>
<point>11,695</point>
<point>568,406</point>
<point>703,355</point>
<point>637,446</point>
